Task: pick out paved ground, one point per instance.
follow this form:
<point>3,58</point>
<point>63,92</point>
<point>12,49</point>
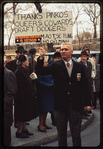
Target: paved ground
<point>90,136</point>
<point>41,138</point>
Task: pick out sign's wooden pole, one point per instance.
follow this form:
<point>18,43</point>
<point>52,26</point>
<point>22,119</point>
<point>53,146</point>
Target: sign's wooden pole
<point>41,44</point>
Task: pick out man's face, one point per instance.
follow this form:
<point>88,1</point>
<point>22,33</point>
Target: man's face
<point>57,50</point>
<point>8,60</point>
<point>20,53</point>
<point>66,52</point>
<point>87,52</point>
<point>26,63</point>
<point>83,58</point>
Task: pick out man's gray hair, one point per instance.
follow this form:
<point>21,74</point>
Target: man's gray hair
<point>67,43</point>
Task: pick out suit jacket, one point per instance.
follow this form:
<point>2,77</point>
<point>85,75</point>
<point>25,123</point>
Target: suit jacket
<point>10,87</point>
<point>66,89</point>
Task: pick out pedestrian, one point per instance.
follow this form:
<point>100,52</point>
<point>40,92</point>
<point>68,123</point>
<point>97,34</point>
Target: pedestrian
<point>93,74</point>
<point>25,104</point>
<point>56,57</point>
<point>10,87</point>
<point>96,84</point>
<point>70,87</point>
<point>12,66</point>
<point>91,60</point>
<point>20,51</point>
<point>32,63</point>
<point>8,59</point>
<point>88,70</point>
<point>45,96</point>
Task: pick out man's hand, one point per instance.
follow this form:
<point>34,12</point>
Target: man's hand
<point>42,52</point>
<point>88,108</point>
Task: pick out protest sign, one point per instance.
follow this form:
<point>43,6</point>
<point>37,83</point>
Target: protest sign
<point>51,27</point>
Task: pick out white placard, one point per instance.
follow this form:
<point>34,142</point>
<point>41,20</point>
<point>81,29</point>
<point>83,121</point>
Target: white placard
<point>54,27</point>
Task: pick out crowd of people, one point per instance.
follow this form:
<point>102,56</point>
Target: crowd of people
<point>63,87</point>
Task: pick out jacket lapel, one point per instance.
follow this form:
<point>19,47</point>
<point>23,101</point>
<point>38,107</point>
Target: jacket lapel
<point>74,68</point>
<point>64,68</point>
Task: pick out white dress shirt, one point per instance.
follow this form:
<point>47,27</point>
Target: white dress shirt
<point>69,69</point>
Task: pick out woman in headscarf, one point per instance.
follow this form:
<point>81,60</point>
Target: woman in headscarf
<point>25,104</point>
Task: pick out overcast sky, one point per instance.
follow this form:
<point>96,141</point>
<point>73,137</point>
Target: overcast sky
<point>85,24</point>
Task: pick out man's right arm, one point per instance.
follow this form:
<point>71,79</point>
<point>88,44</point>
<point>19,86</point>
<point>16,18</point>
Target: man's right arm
<point>40,69</point>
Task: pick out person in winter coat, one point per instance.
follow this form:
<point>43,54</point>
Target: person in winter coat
<point>12,66</point>
<point>88,70</point>
<point>91,60</point>
<point>45,96</point>
<point>25,104</point>
<point>20,51</point>
<point>32,63</point>
<point>10,87</point>
<point>96,84</point>
<point>70,88</point>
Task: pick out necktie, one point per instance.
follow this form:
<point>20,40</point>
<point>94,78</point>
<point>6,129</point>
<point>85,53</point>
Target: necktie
<point>68,65</point>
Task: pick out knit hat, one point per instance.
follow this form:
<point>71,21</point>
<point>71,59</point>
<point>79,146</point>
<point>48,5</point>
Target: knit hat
<point>57,54</point>
<point>21,59</point>
<point>83,53</point>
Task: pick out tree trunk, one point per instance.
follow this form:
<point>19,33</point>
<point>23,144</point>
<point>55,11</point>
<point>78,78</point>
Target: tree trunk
<point>10,39</point>
<point>95,32</point>
<point>14,6</point>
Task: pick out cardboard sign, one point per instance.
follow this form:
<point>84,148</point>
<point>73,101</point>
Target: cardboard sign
<point>53,27</point>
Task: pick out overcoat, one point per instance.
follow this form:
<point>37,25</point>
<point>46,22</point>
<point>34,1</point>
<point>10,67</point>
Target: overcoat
<point>12,65</point>
<point>97,78</point>
<point>45,93</point>
<point>88,71</point>
<point>74,88</point>
<point>25,103</point>
<point>10,87</point>
<point>31,63</point>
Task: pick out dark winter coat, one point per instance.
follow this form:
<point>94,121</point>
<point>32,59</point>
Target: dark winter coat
<point>10,87</point>
<point>25,103</point>
<point>88,71</point>
<point>45,93</point>
<point>97,78</point>
<point>67,88</point>
<point>32,63</point>
<point>12,65</point>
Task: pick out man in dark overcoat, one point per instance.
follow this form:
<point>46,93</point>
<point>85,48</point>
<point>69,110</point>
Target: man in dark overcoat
<point>20,51</point>
<point>70,87</point>
<point>88,70</point>
<point>10,87</point>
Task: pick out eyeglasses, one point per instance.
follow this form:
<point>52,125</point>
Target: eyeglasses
<point>21,52</point>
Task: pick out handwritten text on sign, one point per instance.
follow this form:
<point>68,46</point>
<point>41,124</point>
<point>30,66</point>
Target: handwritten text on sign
<point>53,27</point>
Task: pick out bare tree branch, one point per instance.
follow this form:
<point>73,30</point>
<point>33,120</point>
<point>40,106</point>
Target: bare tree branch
<point>9,9</point>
